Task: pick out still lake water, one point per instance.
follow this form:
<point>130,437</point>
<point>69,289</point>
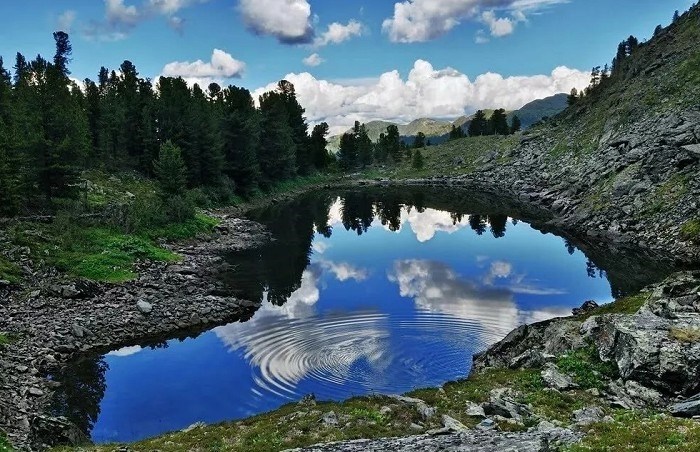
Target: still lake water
<point>361,293</point>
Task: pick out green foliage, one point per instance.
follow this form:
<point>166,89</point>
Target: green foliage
<point>586,367</point>
<point>4,340</point>
<point>9,271</point>
<point>627,305</point>
<point>641,431</point>
<point>418,161</point>
<point>170,170</point>
<point>691,230</point>
<point>5,445</point>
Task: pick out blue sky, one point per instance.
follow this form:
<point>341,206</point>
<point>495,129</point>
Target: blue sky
<point>262,41</point>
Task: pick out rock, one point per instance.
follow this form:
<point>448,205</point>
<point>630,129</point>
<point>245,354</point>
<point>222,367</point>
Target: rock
<point>308,400</point>
<point>502,402</point>
<point>57,430</point>
<point>588,415</point>
<point>687,408</point>
<point>586,307</point>
<point>194,426</point>
<point>36,392</point>
<point>144,307</point>
<point>330,419</point>
<point>452,424</point>
<point>487,424</point>
<point>423,409</point>
<point>385,410</point>
<point>474,410</point>
<point>556,379</point>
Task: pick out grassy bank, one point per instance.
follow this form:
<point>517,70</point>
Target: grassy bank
<point>9,271</point>
<point>4,444</point>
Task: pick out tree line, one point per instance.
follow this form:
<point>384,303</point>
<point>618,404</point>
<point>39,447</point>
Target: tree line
<point>216,140</point>
<point>358,151</point>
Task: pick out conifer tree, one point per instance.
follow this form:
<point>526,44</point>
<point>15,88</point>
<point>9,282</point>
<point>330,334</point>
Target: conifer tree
<point>318,144</point>
<point>170,170</point>
<point>478,125</point>
<point>419,142</point>
<point>515,124</point>
<point>277,153</point>
<point>364,146</point>
<point>418,161</point>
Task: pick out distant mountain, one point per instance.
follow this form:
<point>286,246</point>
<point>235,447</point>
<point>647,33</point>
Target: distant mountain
<point>538,109</point>
<point>437,131</point>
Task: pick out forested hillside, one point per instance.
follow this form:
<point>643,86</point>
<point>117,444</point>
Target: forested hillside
<point>51,130</point>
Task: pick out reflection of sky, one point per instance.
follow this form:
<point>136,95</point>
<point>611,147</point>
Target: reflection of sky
<point>383,312</point>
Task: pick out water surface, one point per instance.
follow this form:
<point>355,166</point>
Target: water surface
<point>362,292</point>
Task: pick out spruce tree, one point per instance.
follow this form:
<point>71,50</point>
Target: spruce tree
<point>277,153</point>
<point>419,142</point>
<point>318,144</point>
<point>515,124</point>
<point>478,125</point>
<point>393,142</point>
<point>240,124</point>
<point>418,161</point>
<point>170,170</point>
<point>347,154</point>
<point>572,98</point>
<point>364,146</point>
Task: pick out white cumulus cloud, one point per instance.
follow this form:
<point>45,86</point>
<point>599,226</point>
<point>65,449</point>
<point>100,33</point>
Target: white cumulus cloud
<point>498,26</point>
<point>313,60</point>
<point>426,92</point>
<point>287,20</point>
<point>337,33</point>
<point>423,20</point>
<point>221,66</point>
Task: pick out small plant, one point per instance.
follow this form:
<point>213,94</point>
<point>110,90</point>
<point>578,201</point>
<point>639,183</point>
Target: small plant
<point>587,368</point>
<point>691,230</point>
<point>367,414</point>
<point>9,272</point>
<point>685,335</point>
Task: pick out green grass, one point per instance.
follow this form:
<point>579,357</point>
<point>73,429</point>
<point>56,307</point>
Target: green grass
<point>9,271</point>
<point>691,230</point>
<point>101,253</point>
<point>641,432</point>
<point>5,444</point>
<point>627,305</point>
<point>4,340</point>
<point>586,368</point>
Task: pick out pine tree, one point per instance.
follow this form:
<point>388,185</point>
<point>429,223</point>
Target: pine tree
<point>277,152</point>
<point>393,142</point>
<point>498,123</point>
<point>419,142</point>
<point>240,124</point>
<point>418,161</point>
<point>658,30</point>
<point>478,125</point>
<point>170,170</point>
<point>364,146</point>
<point>300,129</point>
<point>515,124</point>
<point>347,154</point>
<point>318,144</point>
<point>676,16</point>
<point>573,97</point>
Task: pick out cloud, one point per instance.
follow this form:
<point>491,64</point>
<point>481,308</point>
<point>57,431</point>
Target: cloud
<point>65,20</point>
<point>320,247</point>
<point>435,287</point>
<point>287,20</point>
<point>426,92</point>
<point>126,351</point>
<point>498,27</point>
<point>221,66</point>
<point>313,60</point>
<point>423,20</point>
<point>344,271</point>
<point>501,274</point>
<point>286,344</point>
<point>121,18</point>
<point>338,33</point>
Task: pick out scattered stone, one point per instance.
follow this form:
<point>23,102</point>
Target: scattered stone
<point>554,378</point>
<point>687,408</point>
<point>330,419</point>
<point>308,400</point>
<point>36,392</point>
<point>585,308</point>
<point>588,415</point>
<point>194,426</point>
<point>453,425</point>
<point>487,424</point>
<point>144,307</point>
<point>502,402</point>
<point>474,410</point>
<point>423,409</point>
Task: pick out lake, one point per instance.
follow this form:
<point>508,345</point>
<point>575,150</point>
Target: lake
<point>372,291</point>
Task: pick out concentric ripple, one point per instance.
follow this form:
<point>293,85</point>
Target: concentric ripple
<point>357,353</point>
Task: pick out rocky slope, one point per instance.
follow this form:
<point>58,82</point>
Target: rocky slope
<point>57,320</point>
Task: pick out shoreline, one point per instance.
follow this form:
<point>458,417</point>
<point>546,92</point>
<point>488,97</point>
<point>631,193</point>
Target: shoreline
<point>74,320</point>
